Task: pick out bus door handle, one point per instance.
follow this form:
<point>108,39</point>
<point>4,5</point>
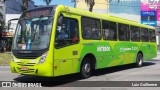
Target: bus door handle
<point>63,61</point>
<point>75,53</point>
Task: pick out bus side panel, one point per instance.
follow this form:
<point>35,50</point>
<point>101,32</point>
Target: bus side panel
<point>106,53</point>
<point>119,53</point>
<point>116,55</point>
<point>67,58</point>
<point>127,51</point>
<point>153,50</point>
<point>145,47</point>
<point>110,57</point>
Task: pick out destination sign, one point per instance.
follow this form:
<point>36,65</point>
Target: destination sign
<point>38,12</point>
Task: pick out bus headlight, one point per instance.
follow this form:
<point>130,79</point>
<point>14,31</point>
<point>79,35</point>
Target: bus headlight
<point>43,58</point>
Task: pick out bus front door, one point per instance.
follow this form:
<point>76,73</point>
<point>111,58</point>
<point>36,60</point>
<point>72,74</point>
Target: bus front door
<point>66,54</point>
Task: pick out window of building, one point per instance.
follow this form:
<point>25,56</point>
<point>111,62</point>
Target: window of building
<point>123,32</point>
<point>152,36</point>
<point>144,35</point>
<point>91,28</point>
<point>67,33</point>
<point>109,30</point>
<point>135,33</point>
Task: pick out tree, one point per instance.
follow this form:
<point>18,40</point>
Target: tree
<point>1,20</point>
<point>75,2</point>
<point>4,0</point>
<point>24,5</point>
<point>47,1</point>
<point>90,3</point>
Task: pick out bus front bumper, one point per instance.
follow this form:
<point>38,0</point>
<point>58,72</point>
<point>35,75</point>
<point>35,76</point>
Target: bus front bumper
<point>35,70</point>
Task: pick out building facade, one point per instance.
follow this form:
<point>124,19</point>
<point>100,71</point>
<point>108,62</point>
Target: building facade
<point>2,15</point>
<point>13,7</point>
<point>2,10</point>
<point>128,9</point>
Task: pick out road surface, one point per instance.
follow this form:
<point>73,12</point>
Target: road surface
<point>149,72</point>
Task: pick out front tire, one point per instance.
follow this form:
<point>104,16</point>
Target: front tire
<point>139,60</point>
<point>86,69</point>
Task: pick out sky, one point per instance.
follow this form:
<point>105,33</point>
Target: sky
<point>55,2</point>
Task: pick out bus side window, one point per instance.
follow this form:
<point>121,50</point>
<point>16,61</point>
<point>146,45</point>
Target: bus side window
<point>135,33</point>
<point>91,28</point>
<point>123,32</point>
<point>152,36</point>
<point>86,28</point>
<point>67,32</point>
<point>109,30</point>
<point>144,35</point>
<point>96,29</point>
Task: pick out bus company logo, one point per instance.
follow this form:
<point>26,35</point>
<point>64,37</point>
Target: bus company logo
<point>103,48</point>
<point>128,49</point>
<point>6,84</point>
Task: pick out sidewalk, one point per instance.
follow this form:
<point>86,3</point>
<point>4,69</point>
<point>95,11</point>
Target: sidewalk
<point>4,68</point>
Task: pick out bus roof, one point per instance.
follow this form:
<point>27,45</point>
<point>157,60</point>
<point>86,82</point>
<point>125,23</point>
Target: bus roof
<point>94,15</point>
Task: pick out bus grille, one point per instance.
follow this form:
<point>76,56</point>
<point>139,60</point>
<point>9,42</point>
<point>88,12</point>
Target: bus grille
<point>25,64</point>
<point>26,56</point>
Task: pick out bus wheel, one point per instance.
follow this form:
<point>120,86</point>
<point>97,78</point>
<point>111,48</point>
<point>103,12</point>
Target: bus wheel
<point>139,60</point>
<point>86,68</point>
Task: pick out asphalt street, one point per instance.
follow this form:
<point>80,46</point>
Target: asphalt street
<point>120,74</point>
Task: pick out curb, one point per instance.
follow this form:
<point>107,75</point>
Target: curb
<point>4,65</point>
<point>4,68</point>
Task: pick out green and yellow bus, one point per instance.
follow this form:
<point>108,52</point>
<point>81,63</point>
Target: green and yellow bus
<point>59,40</point>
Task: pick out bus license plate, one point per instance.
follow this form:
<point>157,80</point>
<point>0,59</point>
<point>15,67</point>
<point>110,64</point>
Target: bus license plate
<point>24,68</point>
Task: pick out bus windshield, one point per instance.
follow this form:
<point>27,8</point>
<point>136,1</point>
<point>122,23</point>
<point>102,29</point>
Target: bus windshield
<point>33,33</point>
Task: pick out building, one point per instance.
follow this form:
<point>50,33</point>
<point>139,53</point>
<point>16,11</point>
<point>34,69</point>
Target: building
<point>13,7</point>
<point>128,9</point>
<point>2,10</point>
<point>101,6</point>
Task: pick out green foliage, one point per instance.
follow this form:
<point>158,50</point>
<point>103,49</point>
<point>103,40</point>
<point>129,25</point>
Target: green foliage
<point>91,3</point>
<point>47,1</point>
<point>5,58</point>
